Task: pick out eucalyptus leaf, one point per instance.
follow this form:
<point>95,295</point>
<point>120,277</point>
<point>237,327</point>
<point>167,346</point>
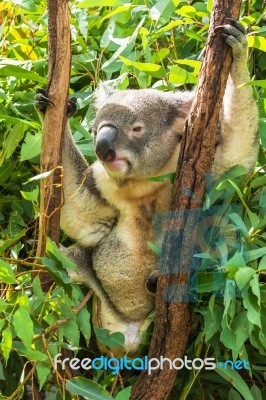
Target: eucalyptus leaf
<point>237,381</point>
<point>21,73</point>
<point>6,273</point>
<point>87,389</point>
<point>109,339</point>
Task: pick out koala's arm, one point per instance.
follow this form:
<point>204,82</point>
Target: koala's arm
<point>239,120</point>
<point>85,215</point>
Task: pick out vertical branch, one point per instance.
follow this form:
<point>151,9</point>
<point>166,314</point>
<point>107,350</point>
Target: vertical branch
<point>196,157</point>
<point>55,120</point>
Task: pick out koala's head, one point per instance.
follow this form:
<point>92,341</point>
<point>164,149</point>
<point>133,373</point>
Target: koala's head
<point>137,131</point>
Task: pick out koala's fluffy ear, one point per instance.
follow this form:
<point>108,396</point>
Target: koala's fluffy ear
<point>102,94</point>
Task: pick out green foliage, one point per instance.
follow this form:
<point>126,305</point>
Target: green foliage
<point>134,44</point>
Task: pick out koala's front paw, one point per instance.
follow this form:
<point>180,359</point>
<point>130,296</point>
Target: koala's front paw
<point>71,107</point>
<point>235,36</point>
<point>41,101</point>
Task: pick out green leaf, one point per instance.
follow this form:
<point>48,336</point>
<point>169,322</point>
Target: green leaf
<point>162,178</point>
<point>118,10</point>
<point>8,243</point>
<point>253,310</point>
<point>166,28</point>
<point>252,255</point>
<point>157,71</point>
<point>255,287</point>
<point>261,83</point>
<point>234,395</point>
<point>127,46</point>
<point>83,320</point>
<point>257,182</point>
<point>257,42</point>
<point>192,63</point>
<point>37,288</point>
<point>99,3</point>
<point>88,389</point>
<point>262,264</point>
<point>180,76</point>
<point>71,332</point>
<point>59,274</point>
<point>33,195</point>
<point>210,281</point>
<point>209,5</point>
<point>239,223</point>
<point>124,394</point>
<point>255,390</point>
<point>243,276</point>
<point>229,294</point>
<point>163,9</point>
<point>31,147</point>
<point>156,249</point>
<point>13,139</point>
<point>228,337</point>
<point>6,343</point>
<point>187,11</point>
<point>13,120</point>
<point>212,318</point>
<point>28,5</point>
<point>236,380</point>
<point>21,73</point>
<point>6,273</point>
<point>54,253</point>
<point>242,328</point>
<point>43,371</point>
<point>252,216</point>
<point>6,167</point>
<point>234,264</point>
<point>30,354</point>
<point>23,326</point>
<point>3,305</point>
<point>262,129</point>
<point>23,301</point>
<point>109,339</point>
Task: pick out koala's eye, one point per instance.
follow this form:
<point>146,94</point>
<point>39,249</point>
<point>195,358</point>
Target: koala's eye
<point>137,128</point>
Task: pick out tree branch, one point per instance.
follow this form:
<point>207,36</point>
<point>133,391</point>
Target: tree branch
<point>54,122</point>
<point>196,157</point>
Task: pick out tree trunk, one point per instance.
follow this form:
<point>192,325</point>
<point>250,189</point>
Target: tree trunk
<point>54,122</point>
<point>196,157</point>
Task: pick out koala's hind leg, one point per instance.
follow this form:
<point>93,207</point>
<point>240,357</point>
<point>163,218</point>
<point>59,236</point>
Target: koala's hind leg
<point>82,257</point>
<point>239,118</point>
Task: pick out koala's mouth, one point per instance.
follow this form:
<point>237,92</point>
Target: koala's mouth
<point>117,165</point>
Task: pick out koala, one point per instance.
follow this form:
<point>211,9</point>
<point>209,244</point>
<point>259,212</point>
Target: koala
<point>109,206</point>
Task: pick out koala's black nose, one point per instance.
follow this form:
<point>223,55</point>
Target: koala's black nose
<point>105,143</point>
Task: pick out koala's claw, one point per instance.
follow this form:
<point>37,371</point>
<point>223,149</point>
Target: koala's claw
<point>71,107</point>
<point>41,101</point>
<point>236,24</point>
<point>234,34</point>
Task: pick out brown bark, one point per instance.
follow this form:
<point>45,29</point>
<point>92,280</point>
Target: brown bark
<point>196,157</point>
<point>55,120</point>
